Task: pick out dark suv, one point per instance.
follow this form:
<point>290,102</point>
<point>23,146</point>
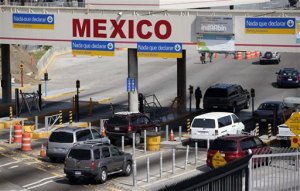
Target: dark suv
<point>125,123</point>
<point>96,160</point>
<point>226,97</point>
<point>288,77</point>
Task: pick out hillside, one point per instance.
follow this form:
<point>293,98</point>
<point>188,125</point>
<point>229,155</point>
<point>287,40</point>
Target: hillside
<point>18,54</point>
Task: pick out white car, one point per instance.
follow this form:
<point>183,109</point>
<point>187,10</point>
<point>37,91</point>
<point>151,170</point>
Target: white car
<point>269,57</point>
<point>215,124</point>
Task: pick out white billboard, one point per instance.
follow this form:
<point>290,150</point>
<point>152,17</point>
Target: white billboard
<point>164,4</point>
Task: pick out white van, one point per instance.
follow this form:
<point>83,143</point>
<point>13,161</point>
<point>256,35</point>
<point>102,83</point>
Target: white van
<point>215,124</point>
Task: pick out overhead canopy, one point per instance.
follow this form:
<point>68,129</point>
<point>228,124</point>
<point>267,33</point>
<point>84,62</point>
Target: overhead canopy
<point>164,4</point>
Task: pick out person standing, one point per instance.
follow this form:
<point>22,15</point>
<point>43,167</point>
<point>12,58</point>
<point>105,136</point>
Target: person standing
<point>198,96</point>
<point>202,57</point>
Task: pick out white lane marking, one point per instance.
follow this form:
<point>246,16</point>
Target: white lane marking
<point>6,164</point>
<point>39,181</point>
<point>47,182</point>
<point>14,166</point>
<point>29,163</point>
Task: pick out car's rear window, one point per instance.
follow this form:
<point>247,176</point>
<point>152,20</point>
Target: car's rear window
<point>61,137</point>
<point>203,123</point>
<point>80,154</point>
<point>268,106</point>
<point>216,92</point>
<point>118,120</point>
<point>224,145</point>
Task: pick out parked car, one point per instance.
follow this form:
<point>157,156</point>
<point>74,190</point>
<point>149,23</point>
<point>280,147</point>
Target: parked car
<point>233,147</point>
<point>226,97</point>
<point>266,110</point>
<point>126,123</point>
<point>269,57</point>
<point>62,139</point>
<point>215,124</point>
<point>96,160</point>
<point>288,77</point>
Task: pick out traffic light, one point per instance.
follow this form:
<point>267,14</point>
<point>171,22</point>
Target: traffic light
<point>46,76</point>
<point>252,92</point>
<point>77,84</point>
<point>191,89</point>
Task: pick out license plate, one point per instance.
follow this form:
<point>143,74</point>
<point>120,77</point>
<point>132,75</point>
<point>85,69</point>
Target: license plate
<point>117,128</point>
<point>263,120</point>
<point>290,79</point>
<point>78,173</point>
<point>215,106</point>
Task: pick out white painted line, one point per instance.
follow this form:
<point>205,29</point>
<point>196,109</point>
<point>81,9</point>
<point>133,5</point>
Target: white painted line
<point>39,181</point>
<point>6,164</point>
<point>40,184</point>
<point>14,166</point>
<point>34,162</point>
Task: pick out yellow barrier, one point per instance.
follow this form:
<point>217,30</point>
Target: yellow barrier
<point>153,142</point>
<point>1,126</point>
<point>7,123</point>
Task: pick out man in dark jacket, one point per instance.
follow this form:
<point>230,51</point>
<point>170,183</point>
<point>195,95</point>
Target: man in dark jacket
<point>198,96</point>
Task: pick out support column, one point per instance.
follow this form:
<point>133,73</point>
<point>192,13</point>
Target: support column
<point>6,76</point>
<point>181,82</point>
<point>133,103</point>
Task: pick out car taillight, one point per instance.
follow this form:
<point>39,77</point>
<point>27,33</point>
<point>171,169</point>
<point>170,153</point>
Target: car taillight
<point>233,156</point>
<point>216,132</point>
<point>298,78</point>
<point>129,128</point>
<point>93,165</point>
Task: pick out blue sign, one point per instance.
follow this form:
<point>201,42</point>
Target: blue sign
<point>157,49</point>
<point>130,84</point>
<point>93,48</point>
<point>270,25</point>
<point>33,21</point>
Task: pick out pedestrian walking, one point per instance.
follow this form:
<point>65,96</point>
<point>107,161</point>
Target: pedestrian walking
<point>198,96</point>
<point>210,56</point>
<point>202,58</point>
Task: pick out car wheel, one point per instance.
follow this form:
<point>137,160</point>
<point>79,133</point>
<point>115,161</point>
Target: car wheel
<point>137,138</point>
<point>128,168</point>
<point>102,175</point>
<point>72,179</point>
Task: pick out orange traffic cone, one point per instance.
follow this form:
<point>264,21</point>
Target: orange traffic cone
<point>43,151</point>
<point>172,135</point>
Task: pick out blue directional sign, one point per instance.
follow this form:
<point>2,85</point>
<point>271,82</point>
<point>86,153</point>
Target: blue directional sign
<point>93,48</point>
<point>130,84</point>
<point>159,49</point>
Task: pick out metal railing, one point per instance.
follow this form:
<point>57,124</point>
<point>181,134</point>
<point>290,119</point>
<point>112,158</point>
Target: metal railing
<point>278,171</point>
<point>50,121</point>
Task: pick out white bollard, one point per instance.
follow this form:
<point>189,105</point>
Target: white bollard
<point>167,132</point>
<point>145,141</point>
<point>180,130</point>
<point>173,162</point>
<point>10,132</point>
<point>122,142</point>
<point>148,169</point>
<point>208,143</point>
<point>134,172</point>
<point>186,157</point>
<point>133,144</point>
<point>46,123</point>
<point>161,164</point>
<point>196,153</point>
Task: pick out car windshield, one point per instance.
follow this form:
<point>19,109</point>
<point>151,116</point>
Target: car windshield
<point>268,54</point>
<point>268,106</point>
<point>118,120</point>
<point>216,92</point>
<point>61,137</point>
<point>203,123</point>
<point>224,145</point>
<point>80,154</point>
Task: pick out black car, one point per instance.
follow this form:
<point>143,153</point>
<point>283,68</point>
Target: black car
<point>268,111</point>
<point>97,161</point>
<point>226,97</point>
<point>288,77</point>
<point>126,123</point>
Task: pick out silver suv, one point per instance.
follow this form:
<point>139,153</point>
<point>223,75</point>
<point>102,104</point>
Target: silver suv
<point>62,139</point>
<point>269,57</point>
<point>97,161</point>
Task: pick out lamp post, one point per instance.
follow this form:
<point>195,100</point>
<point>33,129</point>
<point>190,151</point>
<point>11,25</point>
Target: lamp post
<point>21,71</point>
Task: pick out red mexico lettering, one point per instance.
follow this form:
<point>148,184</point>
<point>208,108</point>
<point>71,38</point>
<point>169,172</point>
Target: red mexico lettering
<point>124,29</point>
<point>86,27</point>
